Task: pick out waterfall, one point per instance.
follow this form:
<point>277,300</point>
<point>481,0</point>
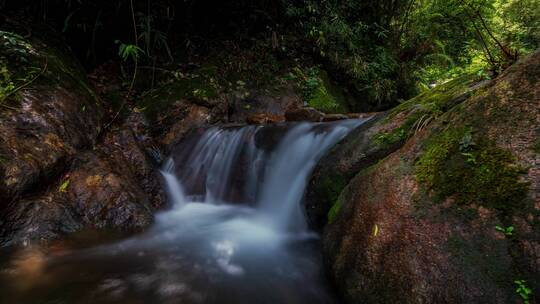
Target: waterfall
<point>229,165</point>
<point>174,189</point>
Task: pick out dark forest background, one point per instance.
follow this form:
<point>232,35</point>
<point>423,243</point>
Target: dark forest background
<point>381,51</point>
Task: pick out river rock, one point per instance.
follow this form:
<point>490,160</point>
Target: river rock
<point>189,117</point>
<point>334,117</point>
<point>262,107</point>
<point>112,186</point>
<point>263,118</point>
<point>304,114</point>
<point>452,215</point>
<point>41,217</point>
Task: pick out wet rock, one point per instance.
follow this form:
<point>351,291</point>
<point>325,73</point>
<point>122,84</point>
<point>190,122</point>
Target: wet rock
<point>263,108</point>
<point>130,146</point>
<point>362,115</point>
<point>106,194</point>
<point>38,218</point>
<point>262,118</point>
<point>43,124</point>
<point>115,185</point>
<point>334,117</point>
<point>419,226</point>
<point>304,114</point>
<point>192,117</point>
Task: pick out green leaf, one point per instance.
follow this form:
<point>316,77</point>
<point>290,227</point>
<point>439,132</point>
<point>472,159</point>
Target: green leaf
<point>63,187</point>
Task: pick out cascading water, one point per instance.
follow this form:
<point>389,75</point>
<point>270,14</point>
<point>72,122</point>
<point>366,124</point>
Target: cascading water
<point>235,231</point>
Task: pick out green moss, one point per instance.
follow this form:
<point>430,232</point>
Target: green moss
<point>441,97</point>
<point>423,109</point>
<point>454,165</point>
<point>334,211</point>
<point>326,97</point>
<point>17,64</point>
<point>200,87</point>
<point>29,62</point>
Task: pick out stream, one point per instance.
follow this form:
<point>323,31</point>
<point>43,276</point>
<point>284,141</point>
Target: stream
<point>234,231</point>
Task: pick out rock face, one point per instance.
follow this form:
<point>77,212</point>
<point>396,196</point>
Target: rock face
<point>452,215</point>
<point>58,173</point>
<point>112,186</point>
<point>383,134</point>
<point>43,124</point>
<point>263,108</point>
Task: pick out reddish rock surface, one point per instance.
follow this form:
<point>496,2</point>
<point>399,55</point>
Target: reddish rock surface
<point>395,237</point>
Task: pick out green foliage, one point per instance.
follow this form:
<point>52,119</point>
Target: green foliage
<point>153,39</point>
<point>357,38</point>
<point>506,230</point>
<point>6,84</point>
<point>471,171</point>
<point>387,46</point>
<point>200,86</point>
<point>317,91</point>
<point>16,66</point>
<point>523,291</point>
<point>63,187</point>
<point>129,51</point>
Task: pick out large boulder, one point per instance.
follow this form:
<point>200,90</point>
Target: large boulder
<point>60,171</point>
<point>381,135</point>
<point>112,186</point>
<point>453,215</point>
<point>47,112</point>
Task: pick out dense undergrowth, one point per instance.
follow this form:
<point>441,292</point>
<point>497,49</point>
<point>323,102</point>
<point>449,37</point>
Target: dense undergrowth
<point>340,56</point>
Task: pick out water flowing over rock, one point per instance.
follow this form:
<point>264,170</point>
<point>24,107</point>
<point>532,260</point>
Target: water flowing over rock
<point>225,239</point>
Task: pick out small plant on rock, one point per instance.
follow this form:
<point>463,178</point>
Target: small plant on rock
<point>523,291</point>
<point>506,230</point>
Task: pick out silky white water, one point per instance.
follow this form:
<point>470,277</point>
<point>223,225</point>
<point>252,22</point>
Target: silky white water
<point>235,231</point>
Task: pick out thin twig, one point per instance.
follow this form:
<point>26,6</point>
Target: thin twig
<point>136,44</point>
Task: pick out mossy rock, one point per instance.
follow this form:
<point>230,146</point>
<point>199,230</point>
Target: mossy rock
<point>426,107</point>
<point>31,62</point>
<point>382,135</point>
<point>443,204</point>
<point>327,97</point>
<point>200,87</point>
<point>472,170</point>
